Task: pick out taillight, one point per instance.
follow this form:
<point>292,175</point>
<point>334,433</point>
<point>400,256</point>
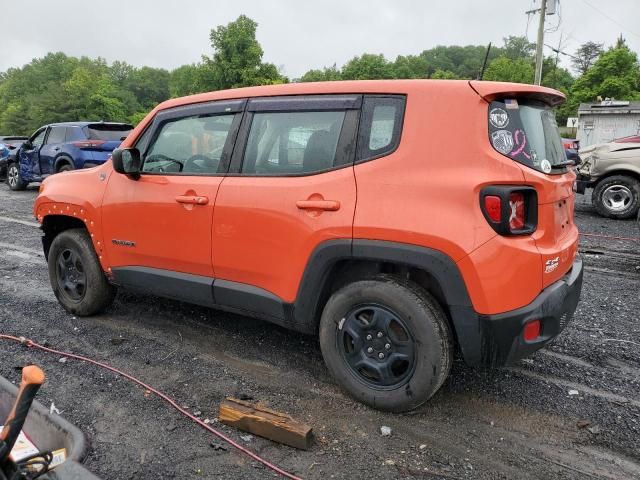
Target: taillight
<point>516,214</point>
<point>510,210</point>
<point>88,143</point>
<point>492,206</point>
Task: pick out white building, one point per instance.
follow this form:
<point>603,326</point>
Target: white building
<point>603,121</point>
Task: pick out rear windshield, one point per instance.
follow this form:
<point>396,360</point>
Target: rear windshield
<point>527,132</point>
<point>108,132</point>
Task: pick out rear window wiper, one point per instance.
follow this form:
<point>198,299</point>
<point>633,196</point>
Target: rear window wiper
<point>560,165</point>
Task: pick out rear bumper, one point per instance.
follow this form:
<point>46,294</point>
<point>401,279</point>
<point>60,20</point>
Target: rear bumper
<point>497,340</point>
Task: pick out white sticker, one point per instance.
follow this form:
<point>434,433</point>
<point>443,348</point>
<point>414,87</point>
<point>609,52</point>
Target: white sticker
<point>499,118</point>
<point>502,141</point>
<point>545,165</point>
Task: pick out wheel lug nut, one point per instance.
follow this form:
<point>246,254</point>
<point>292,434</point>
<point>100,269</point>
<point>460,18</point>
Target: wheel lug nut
<point>387,346</point>
<point>381,355</point>
<point>369,337</point>
<point>369,350</point>
<point>379,334</point>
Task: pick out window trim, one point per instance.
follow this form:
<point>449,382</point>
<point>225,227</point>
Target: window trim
<point>233,107</point>
<point>364,154</point>
<point>345,149</point>
<point>46,129</point>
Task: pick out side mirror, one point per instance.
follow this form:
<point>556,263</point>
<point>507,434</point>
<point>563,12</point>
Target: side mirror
<point>127,161</point>
<point>27,145</point>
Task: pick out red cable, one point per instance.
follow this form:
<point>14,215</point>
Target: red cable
<point>633,239</point>
<point>31,344</point>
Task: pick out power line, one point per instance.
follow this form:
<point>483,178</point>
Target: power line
<point>610,18</point>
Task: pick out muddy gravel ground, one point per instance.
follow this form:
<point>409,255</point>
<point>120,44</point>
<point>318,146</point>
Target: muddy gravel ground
<point>516,423</point>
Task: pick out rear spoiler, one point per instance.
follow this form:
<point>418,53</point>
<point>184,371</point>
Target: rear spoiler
<point>493,90</point>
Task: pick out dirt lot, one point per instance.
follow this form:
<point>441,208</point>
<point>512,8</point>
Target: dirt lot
<point>515,423</point>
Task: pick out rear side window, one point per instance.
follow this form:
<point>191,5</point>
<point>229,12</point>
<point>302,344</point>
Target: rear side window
<point>292,142</point>
<point>56,135</point>
<point>73,134</point>
<point>526,131</point>
<point>380,126</point>
<point>107,132</point>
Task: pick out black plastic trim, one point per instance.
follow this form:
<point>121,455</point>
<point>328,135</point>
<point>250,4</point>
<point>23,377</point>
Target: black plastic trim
<point>166,283</point>
<point>503,192</point>
<point>243,297</point>
<point>305,103</point>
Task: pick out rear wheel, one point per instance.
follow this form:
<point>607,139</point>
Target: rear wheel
<point>617,196</point>
<point>76,275</point>
<point>14,179</point>
<point>65,167</point>
<point>387,342</point>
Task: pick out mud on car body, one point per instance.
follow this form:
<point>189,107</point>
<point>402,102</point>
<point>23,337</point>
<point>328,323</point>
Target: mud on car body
<point>245,200</point>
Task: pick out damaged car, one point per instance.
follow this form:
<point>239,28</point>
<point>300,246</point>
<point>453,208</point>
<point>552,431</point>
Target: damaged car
<point>613,171</point>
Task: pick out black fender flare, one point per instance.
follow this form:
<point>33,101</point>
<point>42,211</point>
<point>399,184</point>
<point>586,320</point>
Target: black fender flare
<point>436,263</point>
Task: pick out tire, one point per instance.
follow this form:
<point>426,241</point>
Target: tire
<point>76,275</point>
<point>65,168</point>
<point>617,196</point>
<point>14,179</point>
<point>405,325</point>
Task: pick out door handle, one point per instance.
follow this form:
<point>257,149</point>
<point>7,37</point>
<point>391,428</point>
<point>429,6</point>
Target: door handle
<point>330,205</point>
<point>192,199</point>
<point>56,149</point>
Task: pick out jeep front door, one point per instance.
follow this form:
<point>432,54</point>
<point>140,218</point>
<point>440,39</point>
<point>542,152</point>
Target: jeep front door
<point>162,221</point>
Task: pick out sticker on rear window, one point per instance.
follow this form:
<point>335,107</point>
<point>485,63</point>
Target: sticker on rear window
<point>502,141</point>
<point>499,118</point>
<point>545,165</point>
<point>511,103</point>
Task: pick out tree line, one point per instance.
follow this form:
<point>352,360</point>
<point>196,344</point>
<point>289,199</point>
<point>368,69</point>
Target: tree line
<point>59,88</point>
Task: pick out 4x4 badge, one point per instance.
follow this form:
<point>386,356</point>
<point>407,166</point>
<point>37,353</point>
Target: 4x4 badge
<point>551,265</point>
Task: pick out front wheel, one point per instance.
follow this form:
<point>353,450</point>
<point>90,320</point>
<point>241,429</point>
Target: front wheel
<point>14,179</point>
<point>387,342</point>
<point>76,275</point>
<point>617,196</point>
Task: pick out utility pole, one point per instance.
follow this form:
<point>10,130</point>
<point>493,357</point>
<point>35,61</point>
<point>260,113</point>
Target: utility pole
<point>540,44</point>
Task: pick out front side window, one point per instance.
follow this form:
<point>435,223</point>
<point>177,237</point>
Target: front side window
<point>56,135</point>
<point>284,143</point>
<point>38,138</point>
<point>526,131</point>
<point>190,146</point>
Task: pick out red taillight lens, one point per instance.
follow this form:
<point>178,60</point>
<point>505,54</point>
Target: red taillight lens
<point>532,330</point>
<point>88,143</point>
<point>493,207</point>
<point>517,211</point>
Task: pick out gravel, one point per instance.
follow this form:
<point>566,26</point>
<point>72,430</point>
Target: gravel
<point>522,422</point>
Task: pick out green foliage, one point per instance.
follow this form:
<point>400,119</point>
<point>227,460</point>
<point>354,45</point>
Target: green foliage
<point>368,67</point>
<point>324,75</point>
<point>237,58</point>
<point>586,55</point>
<point>507,70</point>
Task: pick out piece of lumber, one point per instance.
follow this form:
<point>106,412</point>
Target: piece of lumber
<point>265,422</point>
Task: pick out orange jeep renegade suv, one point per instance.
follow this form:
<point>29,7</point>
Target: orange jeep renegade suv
<point>398,220</point>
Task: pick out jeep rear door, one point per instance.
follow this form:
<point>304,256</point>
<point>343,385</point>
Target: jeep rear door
<point>158,227</point>
<point>290,187</point>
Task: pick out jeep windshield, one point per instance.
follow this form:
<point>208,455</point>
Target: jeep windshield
<point>526,131</point>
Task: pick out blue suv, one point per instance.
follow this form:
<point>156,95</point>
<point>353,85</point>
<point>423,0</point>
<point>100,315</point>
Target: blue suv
<point>63,146</point>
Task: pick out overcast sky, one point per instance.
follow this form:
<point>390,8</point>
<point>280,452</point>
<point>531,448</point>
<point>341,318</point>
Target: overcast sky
<point>296,35</point>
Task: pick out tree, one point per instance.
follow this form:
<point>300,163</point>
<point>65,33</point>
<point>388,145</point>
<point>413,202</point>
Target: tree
<point>518,47</point>
<point>237,57</point>
<point>585,56</point>
<point>507,70</point>
<point>368,67</point>
<point>324,75</point>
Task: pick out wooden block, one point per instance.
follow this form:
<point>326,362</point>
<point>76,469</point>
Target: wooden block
<point>266,423</point>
